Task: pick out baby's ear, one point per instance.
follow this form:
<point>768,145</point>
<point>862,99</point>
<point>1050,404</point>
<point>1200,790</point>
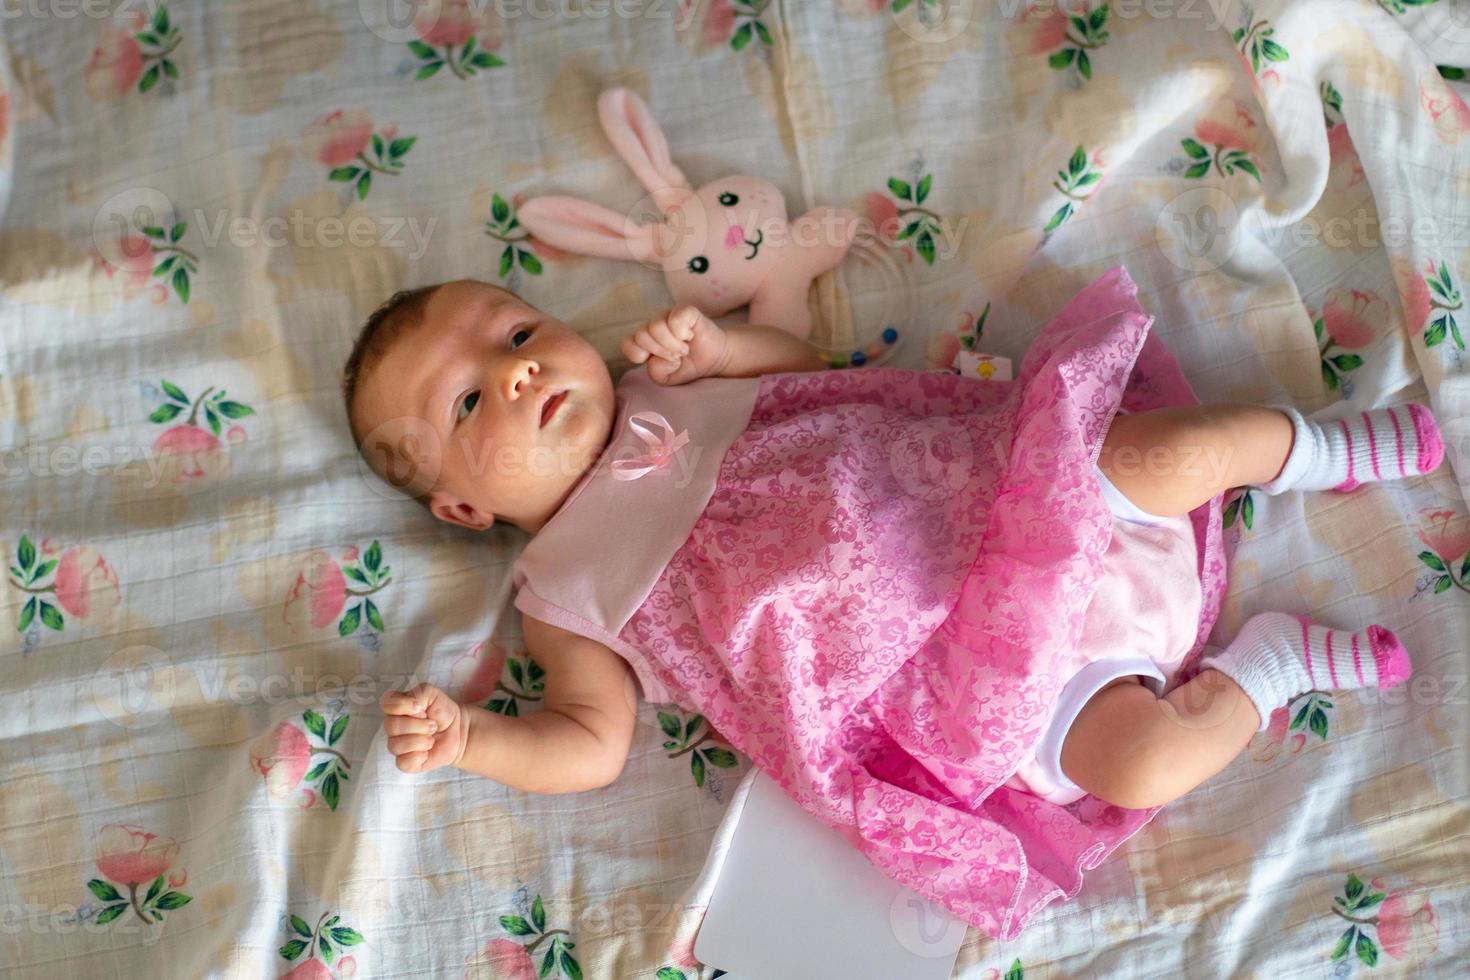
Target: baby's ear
<point>452,510</point>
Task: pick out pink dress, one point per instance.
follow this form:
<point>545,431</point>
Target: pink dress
<point>874,583</point>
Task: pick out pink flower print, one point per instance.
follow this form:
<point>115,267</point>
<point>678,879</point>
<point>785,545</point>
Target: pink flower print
<point>86,586</point>
<point>323,590</point>
<point>1229,125</point>
<point>1413,291</point>
<point>1447,534</point>
<point>130,856</point>
<point>920,225</point>
<point>281,756</point>
<point>1405,922</point>
<point>122,57</point>
<point>1346,170</point>
<point>115,66</point>
<point>474,676</point>
<point>188,452</point>
<point>327,940</point>
<point>309,970</point>
<point>505,959</point>
<point>1279,738</point>
<point>1450,115</point>
<point>451,22</point>
<point>1049,28</point>
<point>340,140</point>
<point>459,33</point>
<point>338,137</point>
<point>1447,538</point>
<point>881,210</point>
<point>488,675</point>
<point>1352,317</point>
<point>1232,130</point>
<point>1407,925</point>
<point>132,260</point>
<point>1444,296</point>
<point>133,266</point>
<point>1041,28</point>
<point>719,22</point>
<point>319,592</point>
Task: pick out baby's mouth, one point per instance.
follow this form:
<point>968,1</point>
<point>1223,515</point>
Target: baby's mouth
<point>549,407</point>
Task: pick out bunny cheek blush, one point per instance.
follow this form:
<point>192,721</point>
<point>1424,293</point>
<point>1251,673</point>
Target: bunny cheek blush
<point>516,404</point>
<point>726,245</point>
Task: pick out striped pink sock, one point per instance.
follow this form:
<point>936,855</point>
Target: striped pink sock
<point>1276,656</point>
<point>1340,454</point>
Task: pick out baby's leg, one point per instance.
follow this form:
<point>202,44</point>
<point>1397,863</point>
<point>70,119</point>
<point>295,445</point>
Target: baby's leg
<point>1170,461</point>
<point>1133,749</point>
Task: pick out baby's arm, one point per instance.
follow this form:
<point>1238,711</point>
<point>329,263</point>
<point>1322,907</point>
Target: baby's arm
<point>683,344</point>
<point>579,741</point>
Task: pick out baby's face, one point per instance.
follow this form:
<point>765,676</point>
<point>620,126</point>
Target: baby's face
<point>517,405</point>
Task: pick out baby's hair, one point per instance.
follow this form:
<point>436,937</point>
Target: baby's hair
<point>401,311</point>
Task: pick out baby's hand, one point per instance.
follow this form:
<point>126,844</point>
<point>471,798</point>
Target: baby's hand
<point>680,345</point>
<point>426,728</point>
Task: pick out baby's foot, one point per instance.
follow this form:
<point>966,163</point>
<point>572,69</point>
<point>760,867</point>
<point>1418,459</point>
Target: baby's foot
<point>1340,454</point>
<point>1276,656</point>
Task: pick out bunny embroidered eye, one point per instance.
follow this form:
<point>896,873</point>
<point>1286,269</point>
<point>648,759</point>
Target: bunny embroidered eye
<point>699,265</point>
<point>729,200</point>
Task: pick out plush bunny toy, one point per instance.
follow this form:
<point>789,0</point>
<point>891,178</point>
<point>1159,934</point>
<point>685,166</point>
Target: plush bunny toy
<point>723,246</point>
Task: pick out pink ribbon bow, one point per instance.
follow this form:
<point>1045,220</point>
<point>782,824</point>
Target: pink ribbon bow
<point>661,446</point>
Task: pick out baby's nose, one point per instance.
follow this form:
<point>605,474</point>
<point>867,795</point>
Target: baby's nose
<point>519,377</point>
<point>734,237</point>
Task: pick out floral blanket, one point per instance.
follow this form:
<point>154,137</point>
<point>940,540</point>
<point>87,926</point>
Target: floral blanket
<point>205,594</point>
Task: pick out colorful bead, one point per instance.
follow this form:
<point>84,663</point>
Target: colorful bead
<point>890,335</point>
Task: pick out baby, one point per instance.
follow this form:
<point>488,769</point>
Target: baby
<point>947,615</point>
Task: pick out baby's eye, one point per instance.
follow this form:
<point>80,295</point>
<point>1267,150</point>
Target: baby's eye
<point>699,265</point>
<point>729,200</point>
<point>519,337</point>
<point>467,406</point>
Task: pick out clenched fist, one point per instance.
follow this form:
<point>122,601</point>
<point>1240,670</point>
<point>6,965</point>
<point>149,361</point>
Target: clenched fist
<point>680,345</point>
<point>426,728</point>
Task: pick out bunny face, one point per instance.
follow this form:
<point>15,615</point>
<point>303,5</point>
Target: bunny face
<point>719,244</point>
<point>725,245</point>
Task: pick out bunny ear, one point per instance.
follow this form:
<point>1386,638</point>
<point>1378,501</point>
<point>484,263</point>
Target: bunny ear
<point>636,135</point>
<point>586,228</point>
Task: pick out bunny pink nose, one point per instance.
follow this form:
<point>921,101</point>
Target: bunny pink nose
<point>735,237</point>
